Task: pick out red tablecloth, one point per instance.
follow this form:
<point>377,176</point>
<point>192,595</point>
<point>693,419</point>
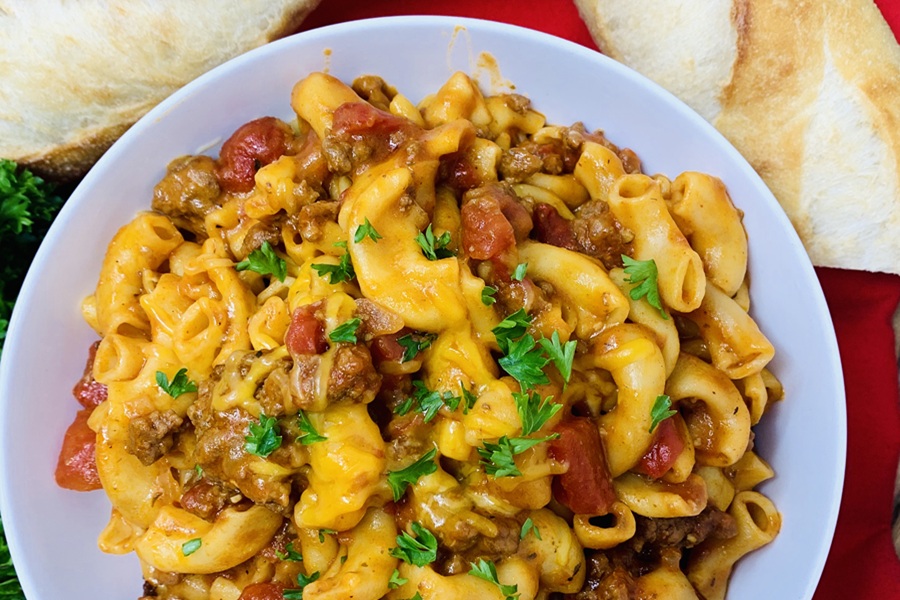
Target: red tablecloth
<point>862,563</point>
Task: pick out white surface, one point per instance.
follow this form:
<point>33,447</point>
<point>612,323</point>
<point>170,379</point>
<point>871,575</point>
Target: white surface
<point>52,532</point>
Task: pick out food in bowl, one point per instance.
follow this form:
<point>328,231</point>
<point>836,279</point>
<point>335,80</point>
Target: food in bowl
<point>436,350</point>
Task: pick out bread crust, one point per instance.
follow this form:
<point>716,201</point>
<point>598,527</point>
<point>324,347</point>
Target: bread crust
<point>94,67</point>
<point>810,96</point>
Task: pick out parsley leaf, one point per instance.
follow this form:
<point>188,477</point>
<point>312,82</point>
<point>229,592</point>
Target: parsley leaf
<point>499,459</point>
<point>434,248</point>
<point>519,273</point>
<point>487,295</point>
<point>366,230</point>
<point>417,596</point>
<point>324,532</point>
<point>308,434</point>
<point>525,361</point>
<point>468,397</point>
<point>485,569</point>
<point>191,546</point>
<point>400,480</point>
<point>511,328</point>
<point>419,550</point>
<point>264,436</point>
<point>529,526</point>
<point>343,271</point>
<point>427,401</point>
<point>659,412</point>
<point>396,581</point>
<point>415,343</point>
<point>346,331</point>
<point>645,274</point>
<point>264,261</point>
<point>534,411</point>
<point>303,581</point>
<point>561,354</point>
<point>179,385</point>
<point>289,554</point>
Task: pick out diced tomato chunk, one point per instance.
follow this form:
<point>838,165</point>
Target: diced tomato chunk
<point>386,348</point>
<point>253,145</point>
<point>586,487</point>
<point>76,468</point>
<point>306,333</point>
<point>88,391</point>
<point>263,591</point>
<point>667,445</point>
<point>551,228</point>
<point>361,119</point>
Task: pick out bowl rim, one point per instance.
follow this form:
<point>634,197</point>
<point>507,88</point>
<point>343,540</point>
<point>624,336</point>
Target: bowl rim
<point>484,27</point>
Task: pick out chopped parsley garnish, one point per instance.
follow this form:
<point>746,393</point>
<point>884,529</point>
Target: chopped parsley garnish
<point>346,331</point>
<point>419,550</point>
<point>562,355</point>
<point>289,554</point>
<point>264,261</point>
<point>414,343</point>
<point>499,459</point>
<point>645,274</point>
<point>308,434</point>
<point>264,436</point>
<point>525,361</point>
<point>366,230</point>
<point>324,532</point>
<point>427,401</point>
<point>468,397</point>
<point>487,295</point>
<point>343,271</point>
<point>400,480</point>
<point>303,581</point>
<point>396,581</point>
<point>485,569</point>
<point>527,527</point>
<point>512,327</point>
<point>416,596</point>
<point>191,546</point>
<point>434,248</point>
<point>534,411</point>
<point>519,273</point>
<point>179,385</point>
<point>660,411</point>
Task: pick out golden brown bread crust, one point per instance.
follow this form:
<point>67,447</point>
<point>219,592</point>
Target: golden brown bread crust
<point>73,70</point>
<point>808,91</point>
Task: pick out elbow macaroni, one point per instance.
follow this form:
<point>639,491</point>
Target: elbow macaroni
<point>380,384</point>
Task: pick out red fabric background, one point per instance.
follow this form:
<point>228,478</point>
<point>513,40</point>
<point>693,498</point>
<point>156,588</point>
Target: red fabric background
<point>862,563</point>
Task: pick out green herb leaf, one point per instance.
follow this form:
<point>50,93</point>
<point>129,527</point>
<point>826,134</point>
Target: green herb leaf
<point>562,355</point>
<point>289,554</point>
<point>659,412</point>
<point>303,581</point>
<point>179,385</point>
<point>308,434</point>
<point>396,581</point>
<point>264,261</point>
<point>264,436</point>
<point>191,546</point>
<point>419,550</point>
<point>427,401</point>
<point>529,526</point>
<point>534,411</point>
<point>485,569</point>
<point>366,230</point>
<point>468,397</point>
<point>415,343</point>
<point>487,295</point>
<point>343,271</point>
<point>324,532</point>
<point>525,361</point>
<point>499,459</point>
<point>434,248</point>
<point>400,480</point>
<point>511,328</point>
<point>416,596</point>
<point>519,273</point>
<point>346,331</point>
<point>645,274</point>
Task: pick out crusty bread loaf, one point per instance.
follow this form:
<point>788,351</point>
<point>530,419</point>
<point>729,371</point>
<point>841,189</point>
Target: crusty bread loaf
<point>77,74</point>
<point>808,91</point>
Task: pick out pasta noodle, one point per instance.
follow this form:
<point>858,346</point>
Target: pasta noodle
<point>438,350</point>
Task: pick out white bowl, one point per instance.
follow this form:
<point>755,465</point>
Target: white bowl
<point>52,532</point>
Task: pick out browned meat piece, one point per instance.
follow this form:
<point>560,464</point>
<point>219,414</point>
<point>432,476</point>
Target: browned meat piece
<point>188,192</point>
<point>375,91</point>
<point>352,377</point>
<point>310,221</point>
<point>263,231</point>
<point>599,234</point>
<point>362,134</point>
<point>466,545</point>
<point>518,164</point>
<point>605,581</point>
<point>682,532</point>
<point>205,499</point>
<point>151,436</point>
